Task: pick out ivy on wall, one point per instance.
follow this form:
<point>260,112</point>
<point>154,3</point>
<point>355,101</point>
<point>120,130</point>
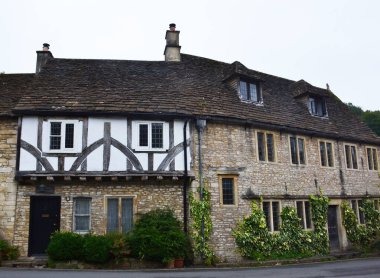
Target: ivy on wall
<point>360,235</point>
<point>255,242</point>
<point>200,211</point>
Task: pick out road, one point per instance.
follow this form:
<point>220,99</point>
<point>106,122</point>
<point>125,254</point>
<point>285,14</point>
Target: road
<point>363,268</point>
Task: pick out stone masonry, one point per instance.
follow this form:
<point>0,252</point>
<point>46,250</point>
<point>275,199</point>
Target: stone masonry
<point>148,195</point>
<point>228,147</point>
<point>8,186</point>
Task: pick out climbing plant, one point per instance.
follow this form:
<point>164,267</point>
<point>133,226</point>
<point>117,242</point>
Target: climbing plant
<point>254,241</point>
<point>361,236</point>
<point>200,211</point>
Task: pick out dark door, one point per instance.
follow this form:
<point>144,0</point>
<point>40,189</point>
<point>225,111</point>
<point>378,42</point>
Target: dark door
<point>44,220</point>
<point>333,227</point>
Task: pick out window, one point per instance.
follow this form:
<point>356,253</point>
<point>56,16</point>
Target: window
<point>82,212</point>
<point>351,158</point>
<point>317,106</point>
<point>304,213</point>
<point>227,186</point>
<point>119,214</point>
<point>297,150</point>
<point>150,135</point>
<point>372,159</point>
<point>357,206</point>
<point>61,131</point>
<point>265,146</point>
<point>326,154</point>
<point>271,210</point>
<point>249,91</point>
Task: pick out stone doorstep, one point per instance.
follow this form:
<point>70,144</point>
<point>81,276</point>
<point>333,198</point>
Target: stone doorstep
<point>27,262</point>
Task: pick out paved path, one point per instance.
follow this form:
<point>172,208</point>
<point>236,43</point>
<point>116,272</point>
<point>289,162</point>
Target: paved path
<point>363,268</point>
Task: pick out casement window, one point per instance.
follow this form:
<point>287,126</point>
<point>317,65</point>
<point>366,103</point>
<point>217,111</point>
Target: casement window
<point>82,215</point>
<point>62,136</point>
<point>351,156</point>
<point>150,136</point>
<point>250,91</point>
<point>326,153</point>
<point>297,150</point>
<point>119,214</point>
<point>265,146</point>
<point>227,188</point>
<point>304,213</point>
<point>372,159</point>
<point>271,210</point>
<point>357,206</point>
<point>317,106</point>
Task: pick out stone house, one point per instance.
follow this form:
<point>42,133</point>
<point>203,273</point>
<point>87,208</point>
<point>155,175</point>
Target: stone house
<point>87,145</point>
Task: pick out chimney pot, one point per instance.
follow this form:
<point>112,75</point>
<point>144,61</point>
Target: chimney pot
<point>172,26</point>
<point>45,47</point>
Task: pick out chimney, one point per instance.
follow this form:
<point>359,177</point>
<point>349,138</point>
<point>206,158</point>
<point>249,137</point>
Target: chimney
<point>43,56</point>
<point>172,49</point>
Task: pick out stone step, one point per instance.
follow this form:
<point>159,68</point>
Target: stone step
<point>26,262</point>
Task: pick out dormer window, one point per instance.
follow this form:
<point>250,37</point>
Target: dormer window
<point>249,91</point>
<point>317,106</point>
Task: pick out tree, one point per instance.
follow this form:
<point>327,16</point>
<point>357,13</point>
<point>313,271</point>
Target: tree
<point>371,118</point>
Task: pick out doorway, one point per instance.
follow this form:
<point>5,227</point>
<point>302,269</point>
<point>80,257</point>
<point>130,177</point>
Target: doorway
<point>332,222</point>
<point>44,220</point>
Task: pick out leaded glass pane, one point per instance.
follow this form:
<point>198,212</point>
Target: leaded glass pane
<point>369,157</point>
<point>300,212</point>
<point>126,214</point>
<point>112,215</point>
<point>228,191</point>
<point>330,158</point>
<point>348,156</point>
<point>308,215</point>
<point>301,149</point>
<point>353,155</point>
<point>293,150</point>
<point>270,147</point>
<point>157,135</point>
<point>266,210</point>
<point>55,135</point>
<point>143,133</point>
<point>276,215</point>
<point>243,90</point>
<point>375,163</point>
<point>69,136</point>
<point>322,150</point>
<point>253,92</point>
<point>261,148</point>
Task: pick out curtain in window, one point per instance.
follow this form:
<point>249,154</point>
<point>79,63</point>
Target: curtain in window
<point>126,215</point>
<point>112,215</point>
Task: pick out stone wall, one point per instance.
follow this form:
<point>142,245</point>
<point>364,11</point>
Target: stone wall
<point>8,187</point>
<point>148,195</point>
<point>232,149</point>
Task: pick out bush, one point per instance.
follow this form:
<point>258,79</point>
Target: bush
<point>7,251</point>
<point>97,249</point>
<point>120,247</point>
<point>158,236</point>
<point>65,246</point>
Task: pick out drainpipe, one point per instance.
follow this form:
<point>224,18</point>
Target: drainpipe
<point>201,124</point>
<point>185,178</point>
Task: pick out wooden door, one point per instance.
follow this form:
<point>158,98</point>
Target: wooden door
<point>332,220</point>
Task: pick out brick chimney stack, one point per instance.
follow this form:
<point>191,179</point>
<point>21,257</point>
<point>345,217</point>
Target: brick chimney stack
<point>43,56</point>
<point>172,49</point>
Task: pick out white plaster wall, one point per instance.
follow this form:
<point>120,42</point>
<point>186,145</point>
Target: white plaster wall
<point>157,159</point>
<point>29,130</point>
<point>96,129</point>
<point>54,162</point>
<point>27,161</point>
<point>118,161</point>
<point>95,160</point>
<point>143,158</point>
<point>69,162</point>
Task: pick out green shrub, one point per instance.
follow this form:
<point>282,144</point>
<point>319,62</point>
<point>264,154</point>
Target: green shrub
<point>65,246</point>
<point>158,236</point>
<point>97,249</point>
<point>120,246</point>
<point>7,251</point>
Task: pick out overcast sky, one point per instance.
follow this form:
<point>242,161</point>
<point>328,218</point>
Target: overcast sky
<point>320,41</point>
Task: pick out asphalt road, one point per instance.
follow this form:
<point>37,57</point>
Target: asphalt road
<point>364,268</point>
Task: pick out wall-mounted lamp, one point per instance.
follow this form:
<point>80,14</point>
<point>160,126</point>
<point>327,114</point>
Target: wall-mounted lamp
<point>67,198</point>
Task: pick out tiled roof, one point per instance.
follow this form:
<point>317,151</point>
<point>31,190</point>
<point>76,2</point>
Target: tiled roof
<point>193,87</point>
<point>12,87</point>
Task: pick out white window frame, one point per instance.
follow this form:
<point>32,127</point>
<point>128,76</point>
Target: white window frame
<point>266,146</point>
<point>75,215</point>
<point>136,136</point>
<point>326,153</point>
<point>77,138</point>
<point>271,228</point>
<point>350,155</point>
<point>298,150</point>
<point>303,219</point>
<point>374,158</point>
